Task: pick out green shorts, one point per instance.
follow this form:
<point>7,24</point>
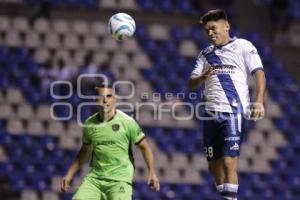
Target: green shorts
<point>103,190</point>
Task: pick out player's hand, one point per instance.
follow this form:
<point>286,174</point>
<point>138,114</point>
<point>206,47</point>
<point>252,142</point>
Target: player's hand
<point>209,72</point>
<point>153,182</point>
<point>257,111</point>
<point>65,183</point>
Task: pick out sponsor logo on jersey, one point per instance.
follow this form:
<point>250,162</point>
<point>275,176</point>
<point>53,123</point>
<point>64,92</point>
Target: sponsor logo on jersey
<point>232,138</point>
<point>115,127</point>
<point>122,190</point>
<point>253,52</point>
<point>235,147</point>
<point>234,103</point>
<point>233,46</point>
<point>106,142</point>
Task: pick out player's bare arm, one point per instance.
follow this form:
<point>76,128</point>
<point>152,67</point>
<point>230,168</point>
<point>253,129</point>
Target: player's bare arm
<point>196,81</point>
<point>152,181</point>
<point>81,157</point>
<point>260,83</point>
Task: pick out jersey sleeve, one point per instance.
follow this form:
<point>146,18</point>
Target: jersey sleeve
<point>199,65</point>
<point>86,139</point>
<point>252,59</point>
<point>135,132</point>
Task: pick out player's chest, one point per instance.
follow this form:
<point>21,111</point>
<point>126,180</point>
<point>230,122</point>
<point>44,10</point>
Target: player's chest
<point>110,134</point>
<point>229,54</point>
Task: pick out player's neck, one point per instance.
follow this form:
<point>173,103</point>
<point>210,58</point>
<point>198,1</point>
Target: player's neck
<point>106,116</point>
<point>225,41</point>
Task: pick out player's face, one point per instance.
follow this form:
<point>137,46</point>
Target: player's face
<point>106,99</point>
<point>217,31</point>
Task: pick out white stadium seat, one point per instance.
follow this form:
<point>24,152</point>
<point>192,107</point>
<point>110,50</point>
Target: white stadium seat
<point>3,156</point>
<point>20,24</point>
<point>55,184</point>
<point>48,195</point>
<point>91,43</point>
<point>52,41</point>
<point>178,161</point>
<point>79,57</point>
<point>55,128</point>
<point>32,39</point>
<point>42,25</point>
<point>35,127</point>
<point>4,23</point>
<point>15,96</point>
<point>61,26</point>
<point>130,45</point>
<point>71,42</point>
<point>25,111</point>
<point>199,162</point>
<point>128,4</point>
<point>158,32</point>
<point>41,55</point>
<point>108,4</point>
<point>66,142</point>
<point>100,57</point>
<point>80,27</point>
<point>188,48</point>
<point>141,60</point>
<point>13,39</point>
<point>99,28</point>
<point>119,59</point>
<point>43,112</point>
<point>109,44</point>
<point>6,111</point>
<point>15,126</point>
<point>29,194</point>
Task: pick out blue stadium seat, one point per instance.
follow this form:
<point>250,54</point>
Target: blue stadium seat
<point>7,168</point>
<point>67,196</point>
<point>18,182</point>
<point>177,33</point>
<point>149,45</point>
<point>184,6</point>
<point>166,5</point>
<point>146,4</point>
<point>3,53</point>
<point>169,48</point>
<point>141,33</point>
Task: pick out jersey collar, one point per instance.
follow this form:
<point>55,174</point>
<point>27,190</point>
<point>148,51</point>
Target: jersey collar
<point>232,39</point>
<point>101,120</point>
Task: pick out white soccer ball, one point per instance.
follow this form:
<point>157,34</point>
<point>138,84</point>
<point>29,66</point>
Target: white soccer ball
<point>121,26</point>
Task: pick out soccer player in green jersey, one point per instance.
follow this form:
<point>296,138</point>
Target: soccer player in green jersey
<point>108,135</point>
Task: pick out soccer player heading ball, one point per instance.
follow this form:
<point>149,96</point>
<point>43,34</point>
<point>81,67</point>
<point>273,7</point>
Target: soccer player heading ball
<point>109,134</point>
<point>224,67</point>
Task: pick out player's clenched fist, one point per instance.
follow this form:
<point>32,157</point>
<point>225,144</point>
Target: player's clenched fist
<point>153,182</point>
<point>65,184</point>
<point>257,111</point>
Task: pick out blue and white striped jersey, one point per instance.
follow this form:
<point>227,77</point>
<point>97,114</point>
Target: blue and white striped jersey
<point>227,90</point>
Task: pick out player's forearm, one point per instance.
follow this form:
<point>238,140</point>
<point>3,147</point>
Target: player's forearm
<point>74,167</point>
<point>196,82</point>
<point>148,157</point>
<point>260,82</point>
<point>81,157</point>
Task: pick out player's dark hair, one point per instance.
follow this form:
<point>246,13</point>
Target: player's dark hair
<point>213,15</point>
<point>104,85</point>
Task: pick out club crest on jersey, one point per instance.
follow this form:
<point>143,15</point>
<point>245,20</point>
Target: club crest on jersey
<point>122,190</point>
<point>115,127</point>
<point>233,46</point>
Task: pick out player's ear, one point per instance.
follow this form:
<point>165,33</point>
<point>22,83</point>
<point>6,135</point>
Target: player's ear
<point>227,26</point>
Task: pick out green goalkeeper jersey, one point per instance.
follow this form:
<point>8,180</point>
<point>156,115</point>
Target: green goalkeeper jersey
<point>112,157</point>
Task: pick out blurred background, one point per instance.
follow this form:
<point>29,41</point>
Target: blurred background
<point>58,40</point>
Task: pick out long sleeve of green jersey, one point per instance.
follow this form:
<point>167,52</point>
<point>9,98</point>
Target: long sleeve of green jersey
<point>135,132</point>
<point>86,137</point>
